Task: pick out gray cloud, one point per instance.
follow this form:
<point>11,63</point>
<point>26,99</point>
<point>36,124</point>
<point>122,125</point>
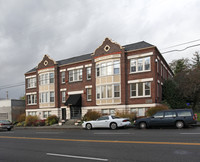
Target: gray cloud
<point>31,28</point>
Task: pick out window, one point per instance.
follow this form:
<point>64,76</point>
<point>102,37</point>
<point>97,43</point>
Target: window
<point>142,89</point>
<point>63,96</point>
<point>31,82</point>
<point>98,92</point>
<point>158,66</point>
<point>51,96</point>
<point>103,91</point>
<point>109,91</point>
<point>159,115</point>
<point>158,90</point>
<point>116,67</point>
<point>184,113</point>
<point>51,77</point>
<point>109,112</point>
<point>103,69</point>
<point>170,114</point>
<point>89,94</point>
<point>116,90</point>
<point>140,65</point>
<point>75,75</point>
<point>89,73</point>
<point>32,113</point>
<point>46,114</point>
<point>32,99</point>
<point>46,78</point>
<point>63,77</point>
<point>108,68</point>
<point>46,97</point>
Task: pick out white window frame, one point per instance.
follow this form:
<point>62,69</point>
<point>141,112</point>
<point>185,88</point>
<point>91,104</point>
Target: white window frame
<point>46,78</point>
<point>89,73</point>
<point>137,90</point>
<point>63,94</point>
<point>52,96</point>
<point>135,63</point>
<point>76,75</point>
<point>46,114</point>
<point>89,95</point>
<point>63,77</point>
<point>99,91</point>
<point>107,68</point>
<point>32,82</point>
<point>32,98</point>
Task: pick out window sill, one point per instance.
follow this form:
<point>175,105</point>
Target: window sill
<point>139,72</point>
<point>32,104</point>
<point>31,87</point>
<point>75,81</point>
<point>141,97</point>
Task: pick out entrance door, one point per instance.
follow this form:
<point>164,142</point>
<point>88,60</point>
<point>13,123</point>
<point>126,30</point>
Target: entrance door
<point>75,112</point>
<point>64,114</point>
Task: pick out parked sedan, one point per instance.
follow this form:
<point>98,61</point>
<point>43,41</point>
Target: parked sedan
<point>6,124</point>
<point>111,122</point>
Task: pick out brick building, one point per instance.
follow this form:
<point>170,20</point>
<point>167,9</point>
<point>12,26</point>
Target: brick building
<point>112,78</point>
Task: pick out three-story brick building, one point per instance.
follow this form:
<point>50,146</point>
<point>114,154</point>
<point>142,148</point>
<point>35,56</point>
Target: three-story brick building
<point>112,78</point>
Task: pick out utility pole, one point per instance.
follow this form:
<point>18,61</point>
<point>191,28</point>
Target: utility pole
<point>7,95</point>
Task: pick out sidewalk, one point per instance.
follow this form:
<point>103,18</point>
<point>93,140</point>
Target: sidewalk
<point>56,126</point>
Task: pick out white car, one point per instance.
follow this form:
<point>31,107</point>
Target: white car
<point>112,122</point>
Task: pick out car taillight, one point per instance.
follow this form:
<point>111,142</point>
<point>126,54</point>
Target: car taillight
<point>126,120</point>
<point>195,117</point>
<point>2,124</point>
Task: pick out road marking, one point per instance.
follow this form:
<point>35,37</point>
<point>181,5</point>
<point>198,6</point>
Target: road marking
<point>114,133</point>
<point>189,133</point>
<point>77,157</point>
<point>102,141</point>
<point>49,132</point>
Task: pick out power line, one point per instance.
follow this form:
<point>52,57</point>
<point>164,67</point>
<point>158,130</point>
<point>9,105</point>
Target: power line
<point>181,49</point>
<point>181,44</point>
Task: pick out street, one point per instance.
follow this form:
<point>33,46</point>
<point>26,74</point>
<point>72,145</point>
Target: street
<point>166,144</point>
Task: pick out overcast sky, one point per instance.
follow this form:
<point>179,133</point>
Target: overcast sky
<point>66,28</point>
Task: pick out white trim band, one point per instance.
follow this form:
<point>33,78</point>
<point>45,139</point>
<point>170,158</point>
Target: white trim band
<point>75,92</point>
<point>88,65</point>
<point>140,80</point>
<point>140,55</point>
<point>32,76</point>
<point>73,68</point>
<point>31,93</point>
<point>62,70</point>
<point>88,86</point>
<point>63,89</point>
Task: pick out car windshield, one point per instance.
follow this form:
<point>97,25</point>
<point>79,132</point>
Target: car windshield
<point>4,121</point>
<point>159,115</point>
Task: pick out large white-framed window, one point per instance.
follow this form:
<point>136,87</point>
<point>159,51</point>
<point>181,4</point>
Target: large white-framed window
<point>46,97</point>
<point>63,77</point>
<point>63,96</point>
<point>108,91</point>
<point>111,67</point>
<point>140,64</point>
<point>141,89</point>
<point>31,82</point>
<point>47,78</point>
<point>89,94</point>
<point>32,113</point>
<point>89,70</point>
<point>75,75</point>
<point>32,99</point>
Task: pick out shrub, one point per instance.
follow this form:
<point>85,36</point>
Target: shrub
<point>21,124</point>
<point>31,120</point>
<point>21,118</point>
<point>40,122</point>
<point>151,111</point>
<point>53,119</point>
<point>126,114</point>
<point>91,115</point>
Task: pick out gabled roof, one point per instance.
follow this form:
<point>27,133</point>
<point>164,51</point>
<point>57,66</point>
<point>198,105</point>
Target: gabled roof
<point>129,47</point>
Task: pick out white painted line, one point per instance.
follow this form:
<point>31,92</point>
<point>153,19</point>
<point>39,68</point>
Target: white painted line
<point>77,157</point>
<point>48,132</point>
<point>189,133</point>
<point>113,133</point>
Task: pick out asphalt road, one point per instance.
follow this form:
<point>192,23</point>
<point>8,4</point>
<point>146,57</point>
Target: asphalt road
<point>121,145</point>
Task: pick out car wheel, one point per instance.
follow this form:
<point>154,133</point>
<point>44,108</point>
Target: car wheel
<point>88,126</point>
<point>142,125</point>
<point>179,124</point>
<point>113,126</point>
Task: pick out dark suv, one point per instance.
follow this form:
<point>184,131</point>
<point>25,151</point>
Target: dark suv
<point>176,117</point>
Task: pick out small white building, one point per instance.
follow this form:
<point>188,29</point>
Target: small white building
<point>11,109</point>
